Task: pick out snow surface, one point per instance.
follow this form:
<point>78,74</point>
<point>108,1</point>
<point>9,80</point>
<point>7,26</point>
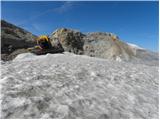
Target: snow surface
<point>74,86</point>
<point>134,46</point>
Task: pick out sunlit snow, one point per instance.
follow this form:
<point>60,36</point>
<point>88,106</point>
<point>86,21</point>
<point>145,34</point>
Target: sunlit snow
<point>74,86</point>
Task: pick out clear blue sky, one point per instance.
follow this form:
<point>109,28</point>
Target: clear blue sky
<point>134,22</point>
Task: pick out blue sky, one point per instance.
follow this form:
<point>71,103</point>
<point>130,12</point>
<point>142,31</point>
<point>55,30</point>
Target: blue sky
<point>134,22</point>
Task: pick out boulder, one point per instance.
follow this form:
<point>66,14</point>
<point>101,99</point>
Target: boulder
<point>71,40</point>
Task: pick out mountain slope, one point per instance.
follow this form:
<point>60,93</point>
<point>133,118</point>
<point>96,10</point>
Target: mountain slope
<point>13,37</point>
<point>76,86</point>
<point>15,40</point>
<point>103,45</point>
<point>107,45</point>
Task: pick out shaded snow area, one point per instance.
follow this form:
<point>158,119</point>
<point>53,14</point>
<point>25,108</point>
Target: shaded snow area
<point>73,86</point>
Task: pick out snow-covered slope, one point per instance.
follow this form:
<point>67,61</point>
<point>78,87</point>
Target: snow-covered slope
<point>134,46</point>
<point>72,86</point>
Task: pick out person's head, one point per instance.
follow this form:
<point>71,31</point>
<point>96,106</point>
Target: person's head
<point>43,41</point>
<point>114,38</point>
<point>42,38</point>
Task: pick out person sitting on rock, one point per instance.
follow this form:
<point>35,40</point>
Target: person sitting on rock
<point>43,42</point>
<point>44,46</point>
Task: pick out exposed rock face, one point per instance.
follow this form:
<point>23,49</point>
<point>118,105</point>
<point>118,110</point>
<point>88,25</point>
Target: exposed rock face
<point>102,45</point>
<point>13,37</point>
<point>70,40</point>
<point>106,45</point>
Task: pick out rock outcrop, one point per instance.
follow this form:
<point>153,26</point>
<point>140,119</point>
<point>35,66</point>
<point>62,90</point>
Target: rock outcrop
<point>103,45</point>
<point>14,38</point>
<point>98,44</point>
<point>106,45</point>
<point>71,40</point>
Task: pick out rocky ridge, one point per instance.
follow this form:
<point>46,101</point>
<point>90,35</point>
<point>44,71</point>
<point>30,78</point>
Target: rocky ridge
<point>96,44</point>
<point>14,38</point>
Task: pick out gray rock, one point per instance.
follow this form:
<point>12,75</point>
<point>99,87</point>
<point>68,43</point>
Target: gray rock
<point>13,37</point>
<point>70,40</point>
<point>106,45</point>
<point>103,45</point>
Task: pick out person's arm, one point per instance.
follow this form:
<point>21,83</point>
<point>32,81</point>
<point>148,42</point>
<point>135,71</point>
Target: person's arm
<point>37,47</point>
